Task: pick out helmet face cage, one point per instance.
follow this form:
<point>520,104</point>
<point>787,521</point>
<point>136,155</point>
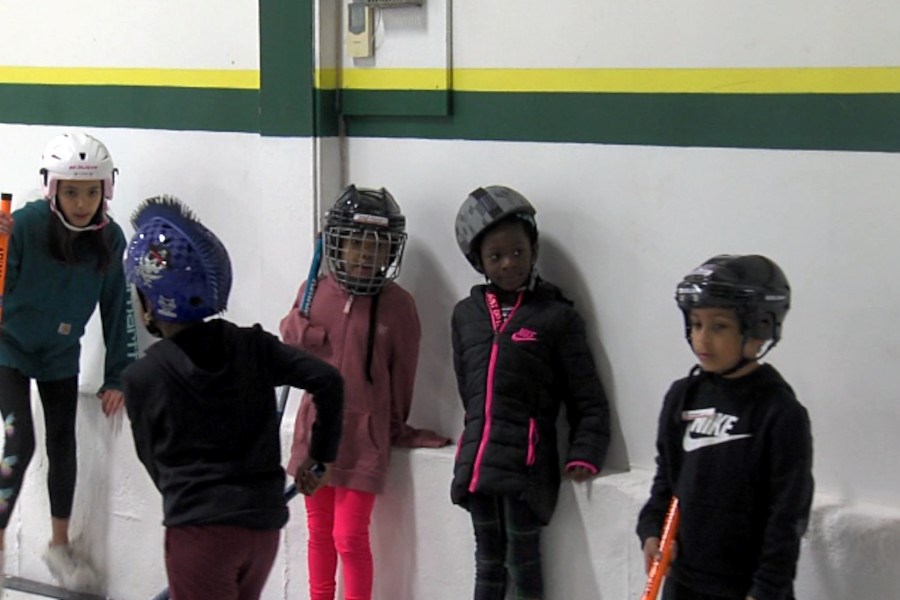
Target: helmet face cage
<point>753,286</point>
<point>364,240</point>
<point>364,260</point>
<point>180,267</point>
<point>483,208</point>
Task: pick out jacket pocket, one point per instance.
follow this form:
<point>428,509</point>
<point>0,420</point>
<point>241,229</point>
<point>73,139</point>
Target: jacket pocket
<point>359,449</point>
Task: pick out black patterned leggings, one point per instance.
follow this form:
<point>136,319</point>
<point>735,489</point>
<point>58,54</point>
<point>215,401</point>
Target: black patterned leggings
<point>507,541</point>
<point>59,399</point>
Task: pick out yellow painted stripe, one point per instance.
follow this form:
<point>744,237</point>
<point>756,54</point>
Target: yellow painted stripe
<point>384,79</point>
<point>244,79</point>
<point>815,80</point>
<point>836,80</point>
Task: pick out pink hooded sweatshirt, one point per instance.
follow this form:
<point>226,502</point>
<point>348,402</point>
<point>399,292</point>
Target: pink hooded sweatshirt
<point>337,331</point>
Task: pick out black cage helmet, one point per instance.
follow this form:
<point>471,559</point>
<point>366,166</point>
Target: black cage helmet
<point>484,208</point>
<point>753,285</point>
<point>373,217</point>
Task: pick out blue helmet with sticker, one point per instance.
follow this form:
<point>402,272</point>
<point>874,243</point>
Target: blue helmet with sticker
<point>179,266</point>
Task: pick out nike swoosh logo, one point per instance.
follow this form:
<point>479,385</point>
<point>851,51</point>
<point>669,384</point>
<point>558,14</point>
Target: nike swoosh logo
<point>690,443</point>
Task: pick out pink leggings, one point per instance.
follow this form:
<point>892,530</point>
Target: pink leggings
<point>338,521</point>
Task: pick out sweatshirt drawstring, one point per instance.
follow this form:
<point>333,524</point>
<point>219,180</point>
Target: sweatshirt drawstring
<point>373,327</point>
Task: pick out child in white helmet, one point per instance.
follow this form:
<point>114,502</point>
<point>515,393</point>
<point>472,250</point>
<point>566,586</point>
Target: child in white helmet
<point>734,444</point>
<point>63,261</point>
<point>367,326</point>
<point>203,413</point>
<point>520,352</point>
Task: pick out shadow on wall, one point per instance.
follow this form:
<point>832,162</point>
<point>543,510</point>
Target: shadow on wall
<point>436,405</point>
<point>571,572</point>
<point>394,534</point>
<point>558,267</point>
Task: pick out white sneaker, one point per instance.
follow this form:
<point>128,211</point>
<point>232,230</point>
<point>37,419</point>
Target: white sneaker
<point>71,569</point>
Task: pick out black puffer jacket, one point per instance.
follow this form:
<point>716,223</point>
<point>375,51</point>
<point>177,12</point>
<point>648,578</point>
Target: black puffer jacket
<point>512,384</point>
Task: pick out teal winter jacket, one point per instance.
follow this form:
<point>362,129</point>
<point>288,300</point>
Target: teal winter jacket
<point>47,304</point>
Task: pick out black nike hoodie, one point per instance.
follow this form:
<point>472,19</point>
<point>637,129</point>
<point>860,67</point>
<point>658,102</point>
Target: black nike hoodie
<point>202,411</point>
<point>738,455</point>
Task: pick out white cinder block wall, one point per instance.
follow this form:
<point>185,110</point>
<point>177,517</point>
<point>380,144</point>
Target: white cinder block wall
<point>620,225</point>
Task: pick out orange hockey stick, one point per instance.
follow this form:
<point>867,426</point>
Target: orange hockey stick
<point>5,206</point>
<point>660,565</point>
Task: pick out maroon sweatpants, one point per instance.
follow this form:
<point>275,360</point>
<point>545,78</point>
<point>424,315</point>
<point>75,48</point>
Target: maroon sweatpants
<point>219,562</point>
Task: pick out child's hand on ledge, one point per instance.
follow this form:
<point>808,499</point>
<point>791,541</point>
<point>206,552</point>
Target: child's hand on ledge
<point>579,474</point>
<point>410,437</point>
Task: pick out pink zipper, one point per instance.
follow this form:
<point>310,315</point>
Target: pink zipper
<point>532,441</point>
<point>498,325</point>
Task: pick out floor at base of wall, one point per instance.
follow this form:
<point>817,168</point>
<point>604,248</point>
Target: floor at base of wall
<point>18,588</point>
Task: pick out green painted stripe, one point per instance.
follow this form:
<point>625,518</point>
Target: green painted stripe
<point>131,107</point>
<point>867,122</point>
<point>394,102</point>
<point>287,95</point>
<point>327,113</point>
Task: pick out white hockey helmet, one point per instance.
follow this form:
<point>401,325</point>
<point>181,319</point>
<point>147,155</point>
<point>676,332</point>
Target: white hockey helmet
<point>77,156</point>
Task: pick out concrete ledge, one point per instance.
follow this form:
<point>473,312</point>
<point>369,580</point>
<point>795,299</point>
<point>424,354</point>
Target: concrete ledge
<point>423,545</point>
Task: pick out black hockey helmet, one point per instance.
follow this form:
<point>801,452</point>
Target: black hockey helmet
<point>371,216</point>
<point>753,285</point>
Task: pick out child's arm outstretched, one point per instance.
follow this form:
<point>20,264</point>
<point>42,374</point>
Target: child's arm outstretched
<point>296,328</point>
<point>403,364</point>
<point>325,385</point>
<point>587,409</point>
<point>119,329</point>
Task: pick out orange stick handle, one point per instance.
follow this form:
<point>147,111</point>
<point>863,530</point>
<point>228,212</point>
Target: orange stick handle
<point>5,206</point>
<point>660,566</point>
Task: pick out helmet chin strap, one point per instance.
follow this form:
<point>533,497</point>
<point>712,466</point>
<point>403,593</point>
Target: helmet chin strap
<point>70,227</point>
<point>744,361</point>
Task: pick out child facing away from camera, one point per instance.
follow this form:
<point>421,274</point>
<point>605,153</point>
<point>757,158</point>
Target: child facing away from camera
<point>203,412</point>
<point>366,325</point>
<point>64,261</point>
<point>520,352</point>
<point>733,445</point>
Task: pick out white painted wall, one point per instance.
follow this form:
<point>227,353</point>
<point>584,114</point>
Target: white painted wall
<point>619,226</point>
<point>692,33</point>
<point>164,34</point>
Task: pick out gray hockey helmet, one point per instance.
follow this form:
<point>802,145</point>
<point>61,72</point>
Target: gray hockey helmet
<point>483,208</point>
